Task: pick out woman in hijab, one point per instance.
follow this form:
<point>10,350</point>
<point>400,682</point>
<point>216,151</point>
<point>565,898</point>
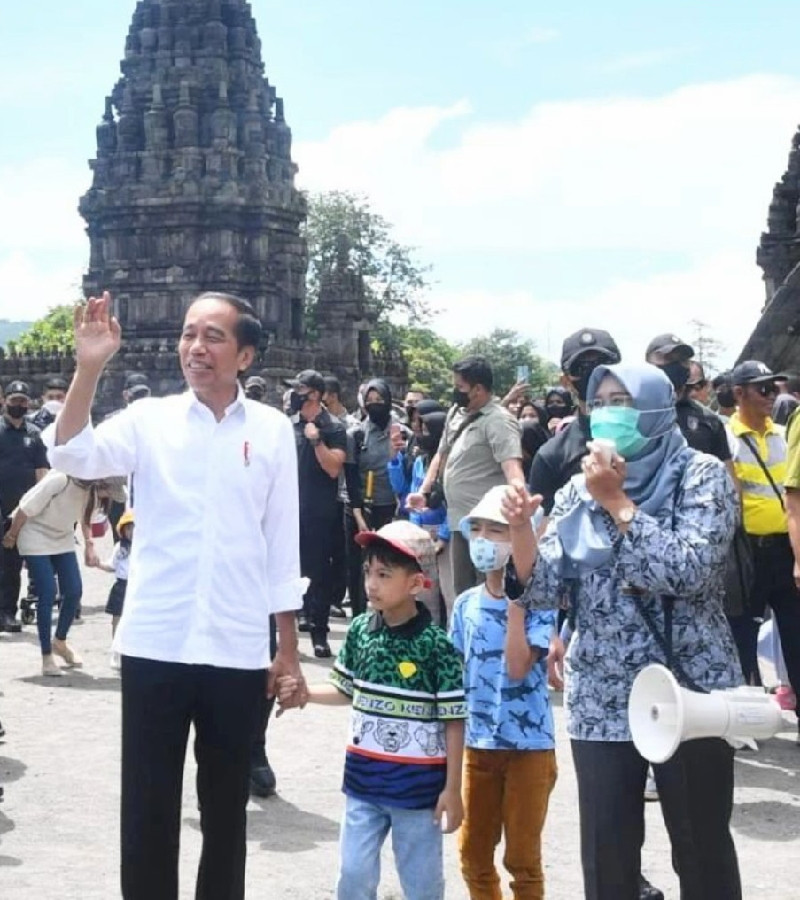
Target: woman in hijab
<point>782,409</point>
<point>407,479</point>
<point>638,544</point>
<point>533,436</point>
<point>559,406</point>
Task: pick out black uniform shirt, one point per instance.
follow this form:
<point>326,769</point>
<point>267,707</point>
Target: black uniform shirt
<point>318,491</point>
<point>703,429</point>
<point>558,460</point>
<point>21,454</point>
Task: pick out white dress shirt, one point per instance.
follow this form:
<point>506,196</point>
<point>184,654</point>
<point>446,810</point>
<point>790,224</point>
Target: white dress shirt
<point>217,535</point>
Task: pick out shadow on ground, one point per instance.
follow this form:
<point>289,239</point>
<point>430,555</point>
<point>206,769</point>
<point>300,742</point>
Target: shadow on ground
<point>74,678</point>
<point>282,827</point>
<point>772,768</point>
<point>10,770</point>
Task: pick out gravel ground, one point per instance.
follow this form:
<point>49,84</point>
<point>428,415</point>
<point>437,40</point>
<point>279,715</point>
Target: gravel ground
<point>60,761</point>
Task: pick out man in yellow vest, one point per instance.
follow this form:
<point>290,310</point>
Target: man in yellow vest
<point>760,461</point>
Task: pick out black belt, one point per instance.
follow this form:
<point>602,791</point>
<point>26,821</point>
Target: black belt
<point>769,540</point>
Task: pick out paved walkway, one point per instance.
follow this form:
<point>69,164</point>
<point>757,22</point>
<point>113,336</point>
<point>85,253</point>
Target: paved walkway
<point>59,766</point>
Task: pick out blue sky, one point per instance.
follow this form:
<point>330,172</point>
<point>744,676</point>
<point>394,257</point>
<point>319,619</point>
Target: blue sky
<point>587,164</point>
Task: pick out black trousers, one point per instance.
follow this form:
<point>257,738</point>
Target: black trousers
<point>696,792</point>
<point>376,517</point>
<point>338,557</point>
<point>774,588</point>
<point>258,755</point>
<point>316,533</point>
<point>159,702</point>
<point>10,577</point>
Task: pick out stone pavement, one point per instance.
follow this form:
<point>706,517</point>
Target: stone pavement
<point>59,766</point>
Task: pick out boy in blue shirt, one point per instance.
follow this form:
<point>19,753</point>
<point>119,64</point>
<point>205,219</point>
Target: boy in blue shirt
<point>510,757</point>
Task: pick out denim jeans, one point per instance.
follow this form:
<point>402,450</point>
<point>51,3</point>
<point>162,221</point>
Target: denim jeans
<point>416,842</point>
<point>44,570</point>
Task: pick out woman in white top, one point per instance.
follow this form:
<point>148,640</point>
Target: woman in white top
<point>43,529</point>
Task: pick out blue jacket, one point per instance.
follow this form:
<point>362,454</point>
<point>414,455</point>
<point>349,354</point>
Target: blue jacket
<point>403,485</point>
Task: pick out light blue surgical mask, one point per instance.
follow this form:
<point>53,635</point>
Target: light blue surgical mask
<point>619,424</point>
<point>489,556</point>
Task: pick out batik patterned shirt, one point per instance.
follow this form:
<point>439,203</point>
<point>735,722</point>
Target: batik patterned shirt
<point>680,553</point>
<point>405,684</point>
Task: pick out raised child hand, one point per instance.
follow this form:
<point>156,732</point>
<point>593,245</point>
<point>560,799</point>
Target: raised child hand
<point>519,506</point>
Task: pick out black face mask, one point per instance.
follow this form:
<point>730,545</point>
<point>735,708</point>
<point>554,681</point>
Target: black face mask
<point>297,402</point>
<point>379,414</point>
<point>557,412</point>
<point>427,443</point>
<point>16,411</point>
<point>580,374</point>
<point>460,398</point>
<point>677,373</point>
<point>410,411</point>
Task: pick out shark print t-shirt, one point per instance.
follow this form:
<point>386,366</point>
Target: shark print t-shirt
<point>405,684</point>
<point>502,714</point>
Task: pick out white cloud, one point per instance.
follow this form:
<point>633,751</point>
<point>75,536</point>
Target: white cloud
<point>719,292</point>
<point>29,290</point>
<point>687,173</point>
<point>643,59</point>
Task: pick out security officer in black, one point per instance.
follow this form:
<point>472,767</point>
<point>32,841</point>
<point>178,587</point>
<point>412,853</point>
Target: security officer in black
<point>560,458</point>
<point>23,461</point>
<point>702,428</point>
<point>321,451</point>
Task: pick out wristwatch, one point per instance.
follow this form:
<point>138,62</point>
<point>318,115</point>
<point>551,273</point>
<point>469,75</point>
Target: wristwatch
<point>625,515</point>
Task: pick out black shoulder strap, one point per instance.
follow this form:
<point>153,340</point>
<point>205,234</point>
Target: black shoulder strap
<point>754,450</point>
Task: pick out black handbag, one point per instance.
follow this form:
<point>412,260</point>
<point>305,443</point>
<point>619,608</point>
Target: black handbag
<point>740,575</point>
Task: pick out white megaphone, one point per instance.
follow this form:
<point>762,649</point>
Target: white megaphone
<point>662,714</point>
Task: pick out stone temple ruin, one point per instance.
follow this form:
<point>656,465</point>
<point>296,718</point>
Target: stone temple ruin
<point>193,190</point>
<point>776,338</point>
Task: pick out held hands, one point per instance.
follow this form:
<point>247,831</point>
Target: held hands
<point>292,693</point>
<point>90,557</point>
<point>97,333</point>
<point>449,812</point>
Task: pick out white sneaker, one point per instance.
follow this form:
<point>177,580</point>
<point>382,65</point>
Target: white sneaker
<point>50,667</point>
<point>115,661</point>
<point>650,789</point>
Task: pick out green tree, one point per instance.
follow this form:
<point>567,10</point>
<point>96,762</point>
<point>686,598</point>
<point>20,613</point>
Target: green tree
<point>395,281</point>
<point>429,357</point>
<point>505,351</point>
<point>51,334</point>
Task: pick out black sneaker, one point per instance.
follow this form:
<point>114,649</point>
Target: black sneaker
<point>262,780</point>
<point>338,613</point>
<point>10,624</point>
<point>303,624</point>
<point>322,650</point>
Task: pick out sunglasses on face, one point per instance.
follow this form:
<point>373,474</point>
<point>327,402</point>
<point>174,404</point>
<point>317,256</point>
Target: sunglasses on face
<point>766,389</point>
<point>697,385</point>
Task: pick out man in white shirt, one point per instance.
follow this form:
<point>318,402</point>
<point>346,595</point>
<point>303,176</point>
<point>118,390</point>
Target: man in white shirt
<point>216,552</point>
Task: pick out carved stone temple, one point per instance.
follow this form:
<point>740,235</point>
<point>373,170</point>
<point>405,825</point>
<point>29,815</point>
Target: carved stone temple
<point>776,338</point>
<point>193,189</point>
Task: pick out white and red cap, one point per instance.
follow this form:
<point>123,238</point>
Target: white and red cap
<point>404,537</point>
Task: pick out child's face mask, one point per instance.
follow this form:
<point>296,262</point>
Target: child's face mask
<point>489,556</point>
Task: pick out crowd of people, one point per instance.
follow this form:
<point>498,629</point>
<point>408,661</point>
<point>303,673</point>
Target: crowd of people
<point>484,551</point>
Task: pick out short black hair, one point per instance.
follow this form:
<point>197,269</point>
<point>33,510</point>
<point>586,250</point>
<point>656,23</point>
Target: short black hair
<point>475,370</point>
<point>386,555</point>
<point>248,330</point>
<point>333,385</point>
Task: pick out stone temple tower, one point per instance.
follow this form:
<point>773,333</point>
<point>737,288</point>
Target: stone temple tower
<point>193,183</point>
<point>776,338</point>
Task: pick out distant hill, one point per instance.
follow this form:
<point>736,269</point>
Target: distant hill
<point>10,331</point>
